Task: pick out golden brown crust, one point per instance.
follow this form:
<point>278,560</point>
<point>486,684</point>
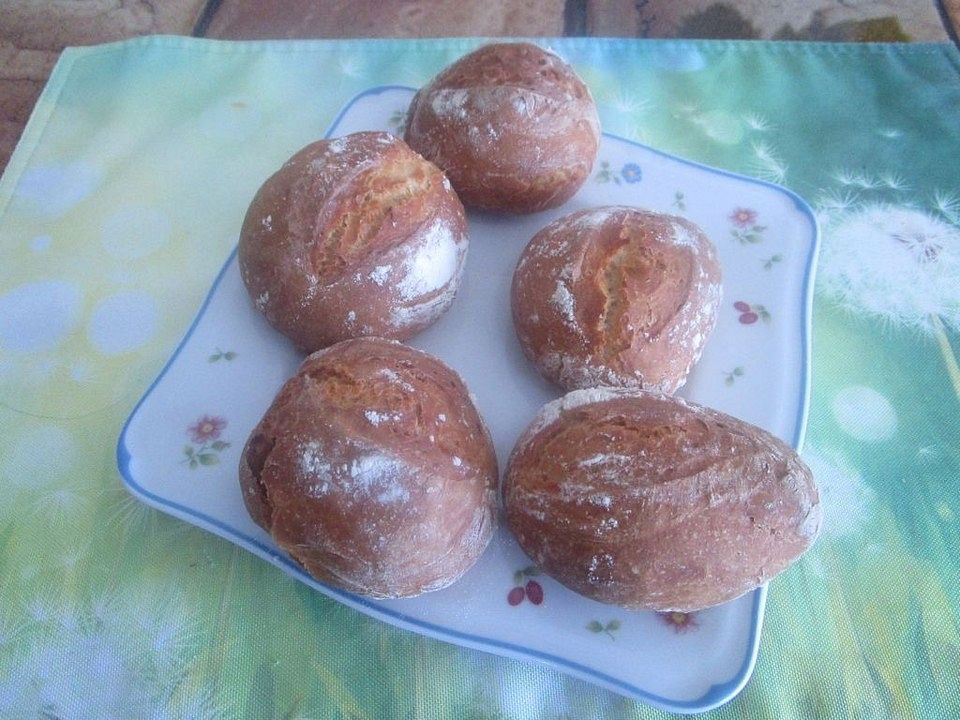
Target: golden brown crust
<point>616,296</point>
<point>354,236</point>
<point>373,470</point>
<point>512,125</point>
<point>645,501</point>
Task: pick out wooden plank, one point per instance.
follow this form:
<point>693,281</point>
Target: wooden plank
<point>23,73</point>
<point>950,9</point>
<point>855,20</point>
<point>55,24</point>
<point>250,19</point>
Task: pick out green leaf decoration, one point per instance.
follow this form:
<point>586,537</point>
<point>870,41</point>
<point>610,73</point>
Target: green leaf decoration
<point>595,626</point>
<point>613,625</point>
<point>214,357</point>
<point>738,371</point>
<point>531,571</point>
<point>219,445</point>
<point>188,450</point>
<point>518,577</point>
<point>229,355</point>
<point>208,459</point>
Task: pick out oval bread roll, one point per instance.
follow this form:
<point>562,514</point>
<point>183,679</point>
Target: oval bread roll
<point>351,237</point>
<point>511,124</point>
<point>373,470</point>
<point>616,296</point>
<point>649,502</point>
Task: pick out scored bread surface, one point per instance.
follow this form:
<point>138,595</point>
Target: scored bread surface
<point>373,470</point>
<point>511,124</point>
<point>649,502</point>
<point>353,236</point>
<point>616,296</point>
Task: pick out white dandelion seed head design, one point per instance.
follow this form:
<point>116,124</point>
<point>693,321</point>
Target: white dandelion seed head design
<point>627,102</point>
<point>893,181</point>
<point>98,660</point>
<point>519,699</point>
<point>765,164</point>
<point>948,205</point>
<point>132,516</point>
<point>857,178</point>
<point>846,499</point>
<point>833,200</point>
<point>844,176</point>
<point>893,262</point>
<point>61,506</point>
<point>85,674</point>
<point>757,122</point>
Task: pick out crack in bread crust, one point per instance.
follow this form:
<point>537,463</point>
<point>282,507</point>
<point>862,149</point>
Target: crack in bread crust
<point>356,236</point>
<point>616,296</point>
<point>351,232</point>
<point>644,289</point>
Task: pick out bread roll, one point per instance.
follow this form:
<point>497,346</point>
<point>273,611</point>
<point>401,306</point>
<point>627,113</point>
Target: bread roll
<point>649,502</point>
<point>512,125</point>
<point>616,296</point>
<point>373,470</point>
<point>354,236</point>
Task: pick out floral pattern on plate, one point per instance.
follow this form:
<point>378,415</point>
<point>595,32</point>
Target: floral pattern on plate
<point>746,229</point>
<point>206,442</point>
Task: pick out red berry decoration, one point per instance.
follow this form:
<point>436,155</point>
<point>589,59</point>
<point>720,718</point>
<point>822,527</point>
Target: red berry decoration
<point>515,596</point>
<point>742,306</point>
<point>534,592</point>
<point>748,318</point>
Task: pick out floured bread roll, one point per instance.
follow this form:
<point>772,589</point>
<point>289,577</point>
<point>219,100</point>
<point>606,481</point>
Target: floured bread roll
<point>616,296</point>
<point>373,470</point>
<point>354,236</point>
<point>511,124</point>
<point>645,501</point>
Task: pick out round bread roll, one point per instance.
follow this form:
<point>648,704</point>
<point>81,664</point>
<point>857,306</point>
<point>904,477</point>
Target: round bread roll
<point>511,124</point>
<point>351,237</point>
<point>616,296</point>
<point>373,470</point>
<point>649,502</point>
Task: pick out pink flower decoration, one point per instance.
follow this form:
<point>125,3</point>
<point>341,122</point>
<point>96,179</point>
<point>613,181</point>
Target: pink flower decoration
<point>680,622</point>
<point>743,217</point>
<point>207,428</point>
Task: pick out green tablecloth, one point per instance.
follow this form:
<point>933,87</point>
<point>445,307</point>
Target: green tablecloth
<point>110,609</point>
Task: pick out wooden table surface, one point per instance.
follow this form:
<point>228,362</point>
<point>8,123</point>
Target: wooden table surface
<point>33,32</point>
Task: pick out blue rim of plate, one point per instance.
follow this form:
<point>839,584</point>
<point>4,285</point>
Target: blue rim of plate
<point>717,695</point>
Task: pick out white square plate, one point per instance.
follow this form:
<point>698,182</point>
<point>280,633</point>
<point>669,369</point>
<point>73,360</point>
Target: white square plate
<point>193,421</point>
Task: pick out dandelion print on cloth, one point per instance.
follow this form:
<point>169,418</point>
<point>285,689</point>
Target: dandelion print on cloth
<point>128,191</point>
